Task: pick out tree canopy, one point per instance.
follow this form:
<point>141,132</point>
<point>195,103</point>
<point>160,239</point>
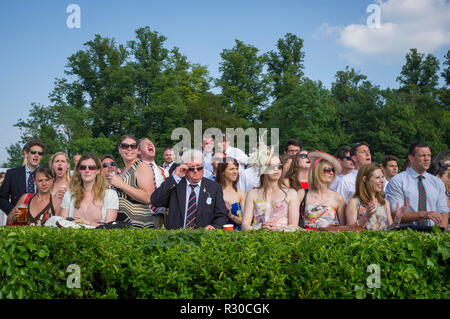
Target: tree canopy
<point>144,88</point>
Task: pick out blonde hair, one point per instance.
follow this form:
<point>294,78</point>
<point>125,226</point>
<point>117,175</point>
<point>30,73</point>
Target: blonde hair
<point>315,174</point>
<point>52,159</point>
<point>362,189</point>
<point>76,184</point>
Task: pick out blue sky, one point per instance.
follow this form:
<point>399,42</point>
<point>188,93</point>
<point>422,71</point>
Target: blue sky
<point>36,42</point>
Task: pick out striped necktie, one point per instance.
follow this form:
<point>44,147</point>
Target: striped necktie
<point>192,208</point>
<point>422,206</point>
<point>153,208</point>
<point>30,185</point>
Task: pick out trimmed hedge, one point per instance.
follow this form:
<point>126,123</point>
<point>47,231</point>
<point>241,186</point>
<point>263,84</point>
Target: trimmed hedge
<point>217,264</point>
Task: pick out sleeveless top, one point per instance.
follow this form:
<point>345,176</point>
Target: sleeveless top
<point>236,210</point>
<point>44,214</point>
<point>320,216</point>
<point>130,210</point>
<point>264,211</point>
<point>377,221</point>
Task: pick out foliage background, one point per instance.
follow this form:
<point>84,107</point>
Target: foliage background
<point>144,88</point>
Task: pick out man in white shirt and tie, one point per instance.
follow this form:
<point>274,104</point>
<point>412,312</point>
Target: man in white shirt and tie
<point>147,153</point>
<point>424,192</point>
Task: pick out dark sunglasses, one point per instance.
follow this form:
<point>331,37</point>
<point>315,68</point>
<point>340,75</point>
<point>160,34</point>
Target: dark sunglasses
<point>275,167</point>
<point>91,167</point>
<point>348,158</point>
<point>128,146</point>
<point>192,169</point>
<point>34,152</point>
<point>328,169</point>
<point>302,155</point>
<point>112,164</point>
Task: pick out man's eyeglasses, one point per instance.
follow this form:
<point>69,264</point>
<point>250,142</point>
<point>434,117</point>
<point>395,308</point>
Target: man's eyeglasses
<point>112,164</point>
<point>126,146</point>
<point>91,167</point>
<point>192,169</point>
<point>34,152</point>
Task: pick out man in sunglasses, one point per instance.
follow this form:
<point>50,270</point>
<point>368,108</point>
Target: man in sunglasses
<point>360,155</point>
<point>109,165</point>
<point>19,180</point>
<point>343,156</point>
<point>193,200</point>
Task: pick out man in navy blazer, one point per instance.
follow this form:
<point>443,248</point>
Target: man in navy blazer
<point>16,179</point>
<point>175,193</point>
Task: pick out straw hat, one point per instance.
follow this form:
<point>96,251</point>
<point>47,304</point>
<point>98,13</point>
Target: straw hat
<point>318,155</point>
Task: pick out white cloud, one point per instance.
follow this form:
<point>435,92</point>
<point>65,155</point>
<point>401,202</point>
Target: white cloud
<point>405,24</point>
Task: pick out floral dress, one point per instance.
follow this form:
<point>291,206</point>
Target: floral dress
<point>320,216</point>
<point>264,211</point>
<point>377,221</point>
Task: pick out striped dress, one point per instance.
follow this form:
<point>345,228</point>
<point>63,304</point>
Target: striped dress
<point>130,210</point>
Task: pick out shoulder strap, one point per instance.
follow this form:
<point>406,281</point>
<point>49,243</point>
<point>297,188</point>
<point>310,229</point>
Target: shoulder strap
<point>301,220</point>
<point>27,199</point>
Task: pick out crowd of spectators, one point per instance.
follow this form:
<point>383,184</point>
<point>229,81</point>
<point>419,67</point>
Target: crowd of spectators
<point>298,190</point>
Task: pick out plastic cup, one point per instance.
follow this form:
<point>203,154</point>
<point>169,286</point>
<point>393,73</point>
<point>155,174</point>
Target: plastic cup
<point>228,227</point>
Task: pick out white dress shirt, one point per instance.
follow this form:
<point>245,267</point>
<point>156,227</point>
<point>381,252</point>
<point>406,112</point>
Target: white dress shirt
<point>346,186</point>
<point>405,186</point>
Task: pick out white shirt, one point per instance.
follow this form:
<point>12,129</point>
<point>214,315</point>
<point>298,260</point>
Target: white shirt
<point>158,172</point>
<point>405,186</point>
<point>249,179</point>
<point>346,186</point>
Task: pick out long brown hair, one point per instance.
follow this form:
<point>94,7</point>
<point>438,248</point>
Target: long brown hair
<point>292,173</point>
<point>362,189</point>
<point>76,184</point>
<point>220,178</point>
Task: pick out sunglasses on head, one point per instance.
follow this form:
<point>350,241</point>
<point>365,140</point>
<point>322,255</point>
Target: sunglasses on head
<point>328,169</point>
<point>34,152</point>
<point>91,167</point>
<point>192,169</point>
<point>128,146</point>
<point>112,164</point>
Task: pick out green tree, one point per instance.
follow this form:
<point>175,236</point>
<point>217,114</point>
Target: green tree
<point>285,66</point>
<point>419,71</point>
<point>243,84</point>
<point>308,114</point>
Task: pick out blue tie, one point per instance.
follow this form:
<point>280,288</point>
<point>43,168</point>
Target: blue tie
<point>30,186</point>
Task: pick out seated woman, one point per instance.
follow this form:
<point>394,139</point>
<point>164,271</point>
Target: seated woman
<point>271,206</point>
<point>227,175</point>
<point>368,208</point>
<point>296,176</point>
<point>89,201</point>
<point>321,207</point>
<point>134,186</point>
<point>60,165</point>
<point>41,205</point>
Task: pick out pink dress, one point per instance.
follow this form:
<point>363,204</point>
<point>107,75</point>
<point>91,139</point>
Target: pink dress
<point>264,211</point>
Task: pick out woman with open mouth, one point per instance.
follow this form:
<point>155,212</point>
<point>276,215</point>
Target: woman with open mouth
<point>60,165</point>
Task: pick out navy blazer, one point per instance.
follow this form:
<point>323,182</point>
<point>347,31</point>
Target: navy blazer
<point>13,187</point>
<point>173,196</point>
